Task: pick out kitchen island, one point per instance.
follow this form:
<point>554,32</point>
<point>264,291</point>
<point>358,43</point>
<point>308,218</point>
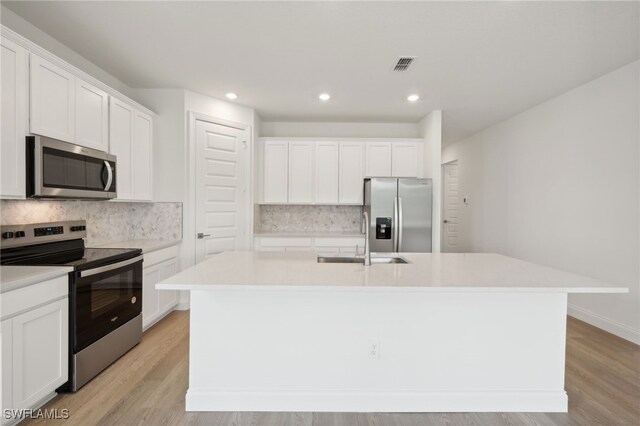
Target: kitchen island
<point>445,332</point>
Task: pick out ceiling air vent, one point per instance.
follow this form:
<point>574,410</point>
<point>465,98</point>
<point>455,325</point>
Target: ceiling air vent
<point>403,63</point>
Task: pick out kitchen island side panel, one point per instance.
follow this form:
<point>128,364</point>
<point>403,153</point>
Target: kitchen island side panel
<point>340,350</point>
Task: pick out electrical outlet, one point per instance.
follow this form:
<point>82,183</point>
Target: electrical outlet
<point>374,349</point>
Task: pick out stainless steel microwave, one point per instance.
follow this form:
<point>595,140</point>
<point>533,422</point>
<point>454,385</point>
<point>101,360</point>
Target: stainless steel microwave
<point>57,169</point>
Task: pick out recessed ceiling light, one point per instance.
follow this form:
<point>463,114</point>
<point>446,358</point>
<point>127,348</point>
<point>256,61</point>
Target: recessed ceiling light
<point>324,96</point>
<point>413,98</point>
<point>231,96</point>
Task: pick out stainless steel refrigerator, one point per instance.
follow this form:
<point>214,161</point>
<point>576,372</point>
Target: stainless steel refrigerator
<point>399,212</point>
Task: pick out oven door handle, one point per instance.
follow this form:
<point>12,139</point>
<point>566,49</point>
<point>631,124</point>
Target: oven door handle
<point>110,267</point>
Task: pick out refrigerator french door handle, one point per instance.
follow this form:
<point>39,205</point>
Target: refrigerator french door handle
<point>400,225</point>
<point>396,225</point>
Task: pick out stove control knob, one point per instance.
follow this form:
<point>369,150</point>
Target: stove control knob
<point>20,234</point>
<point>7,235</point>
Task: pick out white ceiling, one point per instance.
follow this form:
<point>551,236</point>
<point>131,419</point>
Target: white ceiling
<point>479,62</point>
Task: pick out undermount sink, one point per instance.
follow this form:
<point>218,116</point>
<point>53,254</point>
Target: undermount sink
<point>353,259</point>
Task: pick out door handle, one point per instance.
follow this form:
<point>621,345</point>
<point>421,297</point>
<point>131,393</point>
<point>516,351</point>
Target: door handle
<point>445,221</point>
<point>201,235</point>
<point>400,224</point>
<point>395,226</point>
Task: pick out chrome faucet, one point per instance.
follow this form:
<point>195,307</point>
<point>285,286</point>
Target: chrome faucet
<point>367,248</point>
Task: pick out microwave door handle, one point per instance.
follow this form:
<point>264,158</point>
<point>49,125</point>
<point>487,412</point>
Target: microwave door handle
<point>109,175</point>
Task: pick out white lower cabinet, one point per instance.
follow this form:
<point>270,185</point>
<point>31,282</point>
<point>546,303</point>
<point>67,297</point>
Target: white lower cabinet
<point>35,344</point>
<point>320,245</point>
<point>158,265</point>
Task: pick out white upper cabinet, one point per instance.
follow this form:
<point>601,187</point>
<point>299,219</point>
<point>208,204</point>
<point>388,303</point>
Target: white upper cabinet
<point>327,172</point>
<point>351,174</point>
<point>378,159</point>
<point>53,100</point>
<point>66,107</point>
<point>276,169</point>
<point>131,141</point>
<point>120,142</point>
<point>142,157</point>
<point>92,116</point>
<point>301,172</point>
<point>13,119</point>
<point>405,159</point>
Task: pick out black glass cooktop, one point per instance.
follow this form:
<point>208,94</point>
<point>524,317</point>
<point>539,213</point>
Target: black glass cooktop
<point>66,254</point>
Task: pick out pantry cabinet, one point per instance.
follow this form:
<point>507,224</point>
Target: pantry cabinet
<point>276,170</point>
<point>53,100</point>
<point>13,116</point>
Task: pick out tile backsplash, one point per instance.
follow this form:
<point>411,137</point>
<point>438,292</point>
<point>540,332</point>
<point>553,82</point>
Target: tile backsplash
<point>106,221</point>
<point>298,218</point>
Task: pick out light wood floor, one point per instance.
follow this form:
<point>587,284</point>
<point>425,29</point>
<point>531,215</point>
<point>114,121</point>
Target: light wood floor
<point>147,387</point>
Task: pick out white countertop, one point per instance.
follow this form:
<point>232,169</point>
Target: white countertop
<point>147,246</point>
<point>15,277</point>
<point>309,234</point>
<point>450,272</point>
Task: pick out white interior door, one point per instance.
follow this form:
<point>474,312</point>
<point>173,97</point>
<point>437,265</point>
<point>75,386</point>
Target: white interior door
<point>450,223</point>
<point>221,158</point>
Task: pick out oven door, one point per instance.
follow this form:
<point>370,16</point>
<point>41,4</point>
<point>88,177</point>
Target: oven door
<point>59,169</point>
<point>103,299</point>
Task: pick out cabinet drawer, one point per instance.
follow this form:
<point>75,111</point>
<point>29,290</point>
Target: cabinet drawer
<point>339,242</point>
<point>158,256</point>
<point>285,242</point>
<point>25,298</point>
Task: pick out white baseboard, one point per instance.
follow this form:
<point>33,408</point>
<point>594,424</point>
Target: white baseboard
<point>613,327</point>
<point>183,305</point>
<point>367,401</point>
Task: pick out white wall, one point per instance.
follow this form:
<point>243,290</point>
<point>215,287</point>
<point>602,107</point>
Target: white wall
<point>430,129</point>
<point>339,130</point>
<point>559,185</point>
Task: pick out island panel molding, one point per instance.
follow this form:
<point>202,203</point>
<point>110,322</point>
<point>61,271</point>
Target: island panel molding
<point>453,352</point>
